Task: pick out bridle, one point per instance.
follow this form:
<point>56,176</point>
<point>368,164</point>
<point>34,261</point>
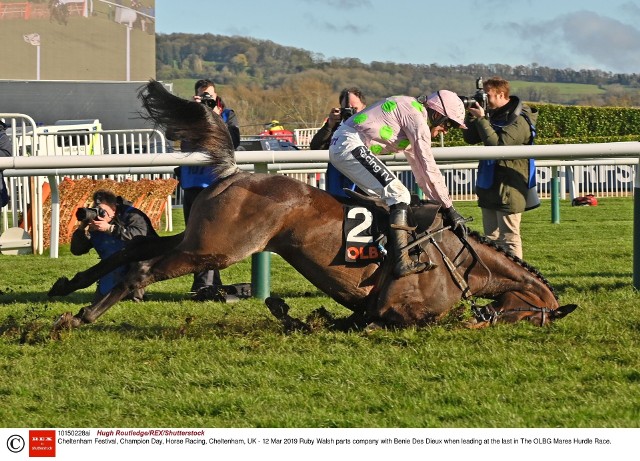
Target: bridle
<point>489,314</point>
<point>485,313</point>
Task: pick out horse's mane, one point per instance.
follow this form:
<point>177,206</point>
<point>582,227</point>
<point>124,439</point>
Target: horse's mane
<point>192,122</point>
<point>485,241</point>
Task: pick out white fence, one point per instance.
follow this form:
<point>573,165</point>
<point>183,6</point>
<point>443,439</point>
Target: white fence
<point>84,139</point>
<point>612,177</point>
<point>604,174</point>
<point>303,136</point>
<point>604,178</point>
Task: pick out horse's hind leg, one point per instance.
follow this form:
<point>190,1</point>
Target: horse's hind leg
<point>91,313</point>
<point>139,276</point>
<point>63,286</point>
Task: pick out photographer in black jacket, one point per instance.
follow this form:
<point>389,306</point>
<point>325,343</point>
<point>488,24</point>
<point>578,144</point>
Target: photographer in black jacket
<point>110,225</point>
<point>351,101</point>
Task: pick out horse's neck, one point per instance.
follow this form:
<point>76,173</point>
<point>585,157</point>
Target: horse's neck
<point>498,273</point>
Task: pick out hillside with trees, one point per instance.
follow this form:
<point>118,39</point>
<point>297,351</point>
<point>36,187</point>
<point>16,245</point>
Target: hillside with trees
<point>262,80</point>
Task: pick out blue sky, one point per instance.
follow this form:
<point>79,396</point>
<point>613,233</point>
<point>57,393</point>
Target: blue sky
<point>576,34</point>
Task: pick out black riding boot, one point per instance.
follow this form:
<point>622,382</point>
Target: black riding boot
<point>399,236</point>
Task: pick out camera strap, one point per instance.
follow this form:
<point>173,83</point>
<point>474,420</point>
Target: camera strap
<point>532,127</point>
<point>532,162</point>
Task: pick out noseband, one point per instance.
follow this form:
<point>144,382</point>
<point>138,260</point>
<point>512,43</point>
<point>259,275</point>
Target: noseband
<point>489,314</point>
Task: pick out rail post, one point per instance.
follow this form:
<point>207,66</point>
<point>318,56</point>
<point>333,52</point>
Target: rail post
<point>261,262</point>
<point>418,191</point>
<point>555,196</point>
<point>636,229</point>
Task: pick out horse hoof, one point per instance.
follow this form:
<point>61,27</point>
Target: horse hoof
<point>66,322</point>
<point>278,308</point>
<point>60,288</point>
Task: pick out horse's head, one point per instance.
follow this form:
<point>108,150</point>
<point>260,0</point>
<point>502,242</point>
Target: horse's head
<point>544,316</point>
<point>514,308</point>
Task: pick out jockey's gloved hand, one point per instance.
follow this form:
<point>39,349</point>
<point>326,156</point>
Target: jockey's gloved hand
<point>455,220</point>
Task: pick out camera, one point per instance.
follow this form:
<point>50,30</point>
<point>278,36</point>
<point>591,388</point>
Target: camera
<point>89,214</point>
<point>480,97</point>
<point>346,112</point>
<point>208,100</point>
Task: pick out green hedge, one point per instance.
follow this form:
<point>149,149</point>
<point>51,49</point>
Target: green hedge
<point>578,125</point>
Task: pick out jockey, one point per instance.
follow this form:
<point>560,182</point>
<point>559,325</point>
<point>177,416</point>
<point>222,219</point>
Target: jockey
<point>399,124</point>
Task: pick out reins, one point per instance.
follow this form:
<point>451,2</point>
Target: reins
<point>485,313</point>
<point>453,269</point>
<point>459,279</point>
<point>477,258</point>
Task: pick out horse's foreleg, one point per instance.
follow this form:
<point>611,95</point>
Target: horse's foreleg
<point>280,310</point>
<point>138,250</point>
<point>89,314</point>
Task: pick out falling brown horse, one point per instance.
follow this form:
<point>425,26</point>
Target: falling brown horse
<point>244,213</point>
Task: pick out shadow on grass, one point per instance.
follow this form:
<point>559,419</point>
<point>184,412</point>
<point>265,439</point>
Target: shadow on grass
<point>189,328</point>
<point>595,281</point>
<point>85,298</point>
<point>35,326</point>
<point>37,331</point>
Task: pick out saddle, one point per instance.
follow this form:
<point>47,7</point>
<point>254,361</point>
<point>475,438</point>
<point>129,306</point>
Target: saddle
<point>423,213</point>
<point>367,223</point>
<point>425,217</point>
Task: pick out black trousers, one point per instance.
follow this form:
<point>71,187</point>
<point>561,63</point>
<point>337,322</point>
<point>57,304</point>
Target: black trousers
<point>206,278</point>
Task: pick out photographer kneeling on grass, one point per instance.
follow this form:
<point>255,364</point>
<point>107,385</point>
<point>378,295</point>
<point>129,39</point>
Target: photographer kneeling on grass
<point>108,227</point>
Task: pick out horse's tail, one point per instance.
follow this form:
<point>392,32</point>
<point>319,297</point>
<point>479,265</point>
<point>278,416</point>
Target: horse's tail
<point>192,122</point>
